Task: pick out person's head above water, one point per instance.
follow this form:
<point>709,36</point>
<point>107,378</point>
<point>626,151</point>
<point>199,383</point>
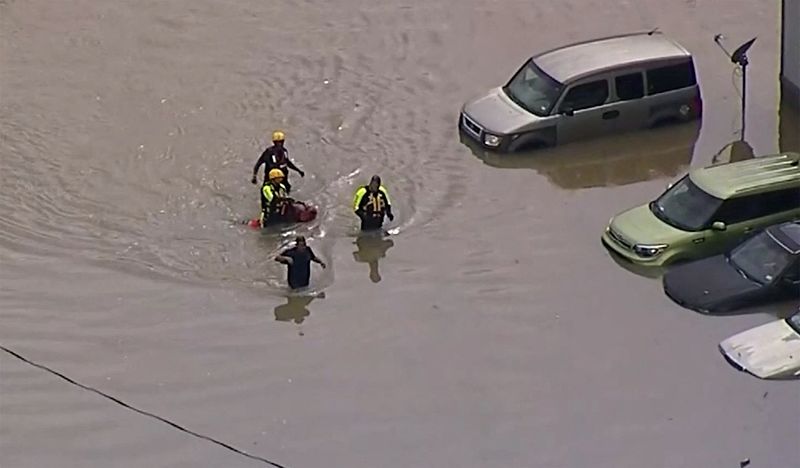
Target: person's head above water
<point>374,183</point>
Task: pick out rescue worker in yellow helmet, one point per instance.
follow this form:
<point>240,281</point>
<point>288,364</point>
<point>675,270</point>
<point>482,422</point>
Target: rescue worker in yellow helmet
<point>274,199</point>
<point>276,157</point>
<point>371,204</point>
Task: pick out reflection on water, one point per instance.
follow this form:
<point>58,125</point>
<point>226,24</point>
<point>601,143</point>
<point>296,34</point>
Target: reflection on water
<point>295,310</point>
<point>371,248</point>
<point>652,272</point>
<point>610,161</point>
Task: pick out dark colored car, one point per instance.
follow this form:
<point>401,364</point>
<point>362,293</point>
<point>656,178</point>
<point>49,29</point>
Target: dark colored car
<point>763,268</point>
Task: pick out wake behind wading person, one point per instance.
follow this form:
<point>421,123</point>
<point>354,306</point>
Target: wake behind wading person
<point>298,261</point>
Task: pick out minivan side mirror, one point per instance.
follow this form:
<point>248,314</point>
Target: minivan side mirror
<point>719,226</point>
<point>568,111</point>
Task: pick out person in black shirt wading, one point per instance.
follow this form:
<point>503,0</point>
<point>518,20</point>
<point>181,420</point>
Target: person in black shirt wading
<point>371,203</point>
<point>276,157</point>
<point>298,259</point>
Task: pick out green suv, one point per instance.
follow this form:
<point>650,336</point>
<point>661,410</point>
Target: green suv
<point>708,210</point>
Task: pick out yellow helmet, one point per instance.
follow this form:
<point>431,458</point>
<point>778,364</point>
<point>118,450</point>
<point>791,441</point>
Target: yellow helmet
<point>278,135</point>
<point>275,174</point>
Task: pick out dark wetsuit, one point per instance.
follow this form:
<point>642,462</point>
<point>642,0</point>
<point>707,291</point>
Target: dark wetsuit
<point>276,157</point>
<point>299,272</point>
<point>371,207</point>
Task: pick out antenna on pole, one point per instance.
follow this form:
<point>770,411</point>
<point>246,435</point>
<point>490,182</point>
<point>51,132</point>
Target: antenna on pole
<point>739,57</point>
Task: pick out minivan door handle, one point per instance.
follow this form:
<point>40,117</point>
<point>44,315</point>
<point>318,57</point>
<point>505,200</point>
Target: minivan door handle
<point>610,115</point>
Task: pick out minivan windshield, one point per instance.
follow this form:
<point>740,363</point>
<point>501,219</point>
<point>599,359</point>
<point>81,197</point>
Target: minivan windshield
<point>533,90</point>
<point>761,258</point>
<point>686,206</point>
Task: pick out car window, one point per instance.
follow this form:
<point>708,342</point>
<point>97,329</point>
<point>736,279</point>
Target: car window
<point>533,90</point>
<point>686,206</point>
<point>737,210</point>
<point>761,258</point>
<point>741,209</point>
<point>629,86</point>
<point>669,78</point>
<point>771,203</point>
<point>586,95</point>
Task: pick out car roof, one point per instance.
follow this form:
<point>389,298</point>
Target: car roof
<point>574,61</point>
<point>757,175</point>
<point>788,233</point>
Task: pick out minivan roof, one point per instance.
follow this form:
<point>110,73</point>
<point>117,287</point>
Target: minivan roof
<point>575,61</point>
<point>729,180</point>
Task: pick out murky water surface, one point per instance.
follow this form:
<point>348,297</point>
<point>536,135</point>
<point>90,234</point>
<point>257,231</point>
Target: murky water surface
<point>492,331</point>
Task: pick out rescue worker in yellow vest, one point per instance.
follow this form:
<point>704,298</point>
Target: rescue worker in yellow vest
<point>274,199</point>
<point>371,203</point>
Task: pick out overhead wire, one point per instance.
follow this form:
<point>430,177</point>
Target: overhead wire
<point>137,410</point>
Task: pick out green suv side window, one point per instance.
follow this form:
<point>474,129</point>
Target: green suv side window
<point>741,209</point>
<point>779,201</point>
<point>738,210</point>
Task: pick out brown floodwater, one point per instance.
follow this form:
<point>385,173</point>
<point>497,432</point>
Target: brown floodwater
<point>492,331</point>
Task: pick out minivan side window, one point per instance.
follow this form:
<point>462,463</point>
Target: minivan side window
<point>669,78</point>
<point>629,86</point>
<point>587,95</point>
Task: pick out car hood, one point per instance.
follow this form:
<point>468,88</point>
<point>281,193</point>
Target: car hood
<point>769,351</point>
<point>640,226</point>
<point>708,284</point>
<point>497,113</point>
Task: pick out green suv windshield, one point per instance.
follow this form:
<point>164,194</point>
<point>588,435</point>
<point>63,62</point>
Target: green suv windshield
<point>533,90</point>
<point>761,258</point>
<point>686,206</point>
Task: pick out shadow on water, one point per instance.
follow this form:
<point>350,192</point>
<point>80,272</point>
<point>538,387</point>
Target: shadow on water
<point>649,272</point>
<point>371,248</point>
<point>735,151</point>
<point>609,161</point>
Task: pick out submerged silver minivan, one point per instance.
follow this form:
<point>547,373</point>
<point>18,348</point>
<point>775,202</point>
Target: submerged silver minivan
<point>585,90</point>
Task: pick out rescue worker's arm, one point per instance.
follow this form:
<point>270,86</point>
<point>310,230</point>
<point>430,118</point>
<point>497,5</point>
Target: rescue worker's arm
<point>268,193</point>
<point>358,200</point>
<point>389,213</point>
<point>315,259</point>
<point>261,160</point>
<point>291,165</point>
